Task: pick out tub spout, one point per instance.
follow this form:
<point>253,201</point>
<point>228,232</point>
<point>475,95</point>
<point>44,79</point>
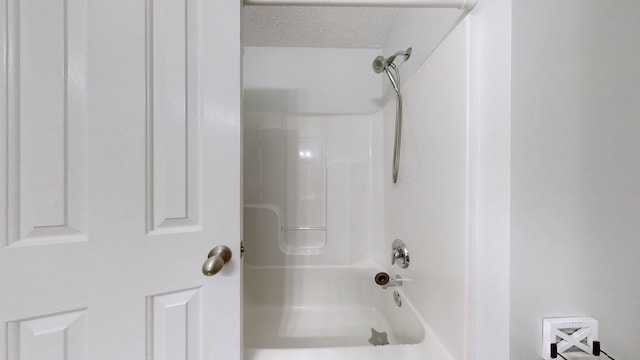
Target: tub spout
<point>385,280</point>
<point>394,281</point>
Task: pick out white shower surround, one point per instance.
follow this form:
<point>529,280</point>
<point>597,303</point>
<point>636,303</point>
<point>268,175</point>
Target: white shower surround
<point>431,206</point>
<point>428,209</point>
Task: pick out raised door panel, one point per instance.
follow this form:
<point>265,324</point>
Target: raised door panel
<point>174,328</point>
<point>53,337</point>
<point>172,116</point>
<point>46,121</point>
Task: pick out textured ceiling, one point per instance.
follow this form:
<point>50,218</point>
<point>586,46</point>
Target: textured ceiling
<point>330,27</point>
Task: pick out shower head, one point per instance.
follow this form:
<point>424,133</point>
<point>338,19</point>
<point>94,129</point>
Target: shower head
<point>379,64</point>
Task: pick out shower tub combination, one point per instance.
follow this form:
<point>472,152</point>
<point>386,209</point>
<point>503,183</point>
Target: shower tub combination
<point>329,313</point>
<point>308,224</point>
<point>313,190</point>
<point>308,221</point>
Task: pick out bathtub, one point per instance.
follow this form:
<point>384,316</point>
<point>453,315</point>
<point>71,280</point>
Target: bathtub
<point>328,313</point>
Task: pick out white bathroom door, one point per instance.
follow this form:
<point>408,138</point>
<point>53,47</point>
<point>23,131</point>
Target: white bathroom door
<point>119,171</point>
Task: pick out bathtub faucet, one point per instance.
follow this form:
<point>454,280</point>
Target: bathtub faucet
<point>385,280</point>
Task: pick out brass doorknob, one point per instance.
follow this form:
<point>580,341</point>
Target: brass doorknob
<point>218,256</point>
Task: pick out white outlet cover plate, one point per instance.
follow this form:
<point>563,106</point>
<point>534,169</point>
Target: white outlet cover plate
<point>569,333</point>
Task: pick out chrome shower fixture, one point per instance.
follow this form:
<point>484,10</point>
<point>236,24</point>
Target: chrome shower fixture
<point>380,64</point>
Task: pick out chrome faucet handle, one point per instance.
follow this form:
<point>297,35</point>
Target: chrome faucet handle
<point>395,255</point>
<point>400,252</point>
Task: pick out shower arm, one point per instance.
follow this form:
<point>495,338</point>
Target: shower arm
<point>406,54</point>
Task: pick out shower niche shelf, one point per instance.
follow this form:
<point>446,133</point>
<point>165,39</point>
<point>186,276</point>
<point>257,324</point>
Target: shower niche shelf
<point>304,240</point>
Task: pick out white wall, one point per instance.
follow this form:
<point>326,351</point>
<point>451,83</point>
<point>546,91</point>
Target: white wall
<point>427,208</point>
<point>576,170</point>
<point>310,80</point>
